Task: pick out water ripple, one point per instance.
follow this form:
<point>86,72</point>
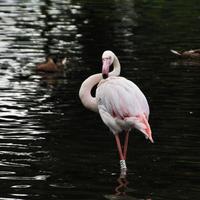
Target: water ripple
<point>35,178</point>
<point>50,146</point>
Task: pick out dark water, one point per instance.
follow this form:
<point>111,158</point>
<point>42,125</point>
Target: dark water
<point>51,147</point>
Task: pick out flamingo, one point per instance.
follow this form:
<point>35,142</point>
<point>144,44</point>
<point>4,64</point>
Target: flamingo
<point>120,103</point>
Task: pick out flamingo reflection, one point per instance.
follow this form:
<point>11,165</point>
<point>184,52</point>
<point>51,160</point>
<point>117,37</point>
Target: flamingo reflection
<point>121,191</point>
<point>121,187</point>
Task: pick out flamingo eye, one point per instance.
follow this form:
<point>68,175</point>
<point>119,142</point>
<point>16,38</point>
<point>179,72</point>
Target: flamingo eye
<point>107,58</point>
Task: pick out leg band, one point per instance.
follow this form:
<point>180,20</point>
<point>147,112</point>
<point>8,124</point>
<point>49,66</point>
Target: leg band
<point>123,164</point>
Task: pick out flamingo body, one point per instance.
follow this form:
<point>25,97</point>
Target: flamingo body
<point>122,105</point>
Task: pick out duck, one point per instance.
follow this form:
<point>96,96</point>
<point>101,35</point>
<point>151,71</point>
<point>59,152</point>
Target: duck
<point>52,64</point>
<point>193,53</point>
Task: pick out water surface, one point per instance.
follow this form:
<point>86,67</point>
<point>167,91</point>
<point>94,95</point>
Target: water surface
<point>51,147</point>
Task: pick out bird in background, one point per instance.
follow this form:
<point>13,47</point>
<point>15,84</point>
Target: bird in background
<point>193,53</point>
<point>52,64</point>
<point>120,103</point>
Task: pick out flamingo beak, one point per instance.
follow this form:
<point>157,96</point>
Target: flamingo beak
<point>105,68</point>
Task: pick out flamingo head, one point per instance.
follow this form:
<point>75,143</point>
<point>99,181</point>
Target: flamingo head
<point>107,60</point>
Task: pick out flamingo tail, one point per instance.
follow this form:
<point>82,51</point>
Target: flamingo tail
<point>139,122</point>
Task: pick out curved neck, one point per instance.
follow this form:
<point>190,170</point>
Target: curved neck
<point>85,92</point>
<point>116,67</point>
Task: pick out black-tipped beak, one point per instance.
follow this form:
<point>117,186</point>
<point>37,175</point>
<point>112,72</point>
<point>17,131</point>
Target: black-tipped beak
<point>105,68</point>
<point>105,76</point>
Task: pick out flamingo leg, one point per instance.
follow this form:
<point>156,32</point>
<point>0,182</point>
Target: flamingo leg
<point>126,145</point>
<point>122,160</point>
<point>119,147</point>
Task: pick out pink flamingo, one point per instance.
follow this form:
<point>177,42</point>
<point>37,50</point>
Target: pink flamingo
<point>120,103</point>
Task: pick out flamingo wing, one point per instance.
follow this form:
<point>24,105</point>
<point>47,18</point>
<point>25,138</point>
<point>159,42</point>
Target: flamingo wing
<point>122,105</point>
